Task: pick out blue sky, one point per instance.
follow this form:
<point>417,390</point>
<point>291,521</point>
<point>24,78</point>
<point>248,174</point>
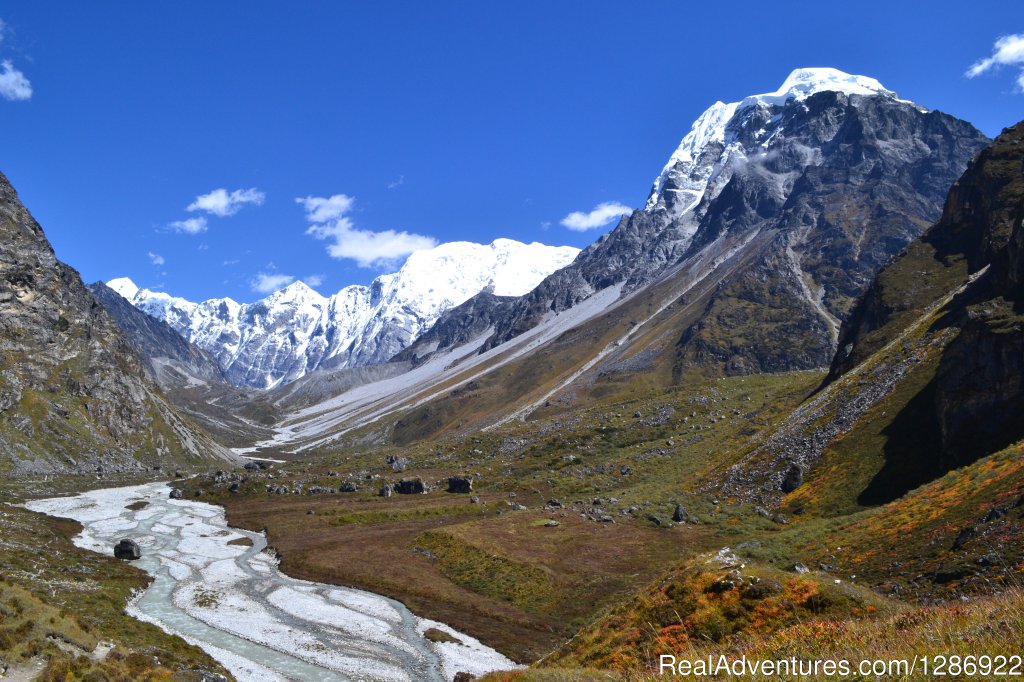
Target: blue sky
<point>398,125</point>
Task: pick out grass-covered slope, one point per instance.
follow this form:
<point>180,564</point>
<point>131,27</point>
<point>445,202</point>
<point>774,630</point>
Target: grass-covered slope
<point>62,612</point>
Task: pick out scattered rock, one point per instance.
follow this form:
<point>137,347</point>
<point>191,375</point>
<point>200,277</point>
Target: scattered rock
<point>474,500</point>
<point>463,677</point>
<point>994,515</point>
<point>552,524</point>
<point>398,463</point>
<point>990,559</point>
<point>348,487</point>
<point>800,568</point>
<point>966,535</point>
<point>386,490</point>
<point>726,558</point>
<point>175,494</point>
<point>680,515</point>
<point>730,581</point>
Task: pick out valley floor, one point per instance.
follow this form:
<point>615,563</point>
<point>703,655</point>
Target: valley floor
<point>582,542</point>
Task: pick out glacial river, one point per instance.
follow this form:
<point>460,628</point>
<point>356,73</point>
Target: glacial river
<point>231,599</point>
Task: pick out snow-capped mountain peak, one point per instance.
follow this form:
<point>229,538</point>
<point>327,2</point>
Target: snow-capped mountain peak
<point>297,291</point>
<point>295,329</point>
<point>124,286</point>
<point>803,83</point>
<point>710,144</point>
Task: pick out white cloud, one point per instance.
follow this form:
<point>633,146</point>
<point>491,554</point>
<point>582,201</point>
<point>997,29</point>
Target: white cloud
<point>223,203</point>
<point>599,217</point>
<point>322,209</point>
<point>266,282</point>
<point>365,247</point>
<point>156,258</point>
<point>313,280</point>
<point>13,83</point>
<point>397,183</point>
<point>1007,51</point>
<point>189,225</point>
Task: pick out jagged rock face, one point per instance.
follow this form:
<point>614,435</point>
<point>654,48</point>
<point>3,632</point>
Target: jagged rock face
<point>296,330</point>
<point>979,387</point>
<point>73,394</point>
<point>168,357</point>
<point>977,395</point>
<point>832,171</point>
<point>977,222</point>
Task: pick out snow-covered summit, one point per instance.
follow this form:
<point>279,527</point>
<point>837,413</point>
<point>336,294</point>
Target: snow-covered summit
<point>802,83</point>
<point>124,286</point>
<point>295,329</point>
<point>709,144</point>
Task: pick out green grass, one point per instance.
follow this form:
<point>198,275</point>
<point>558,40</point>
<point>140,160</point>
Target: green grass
<point>58,601</point>
<point>526,586</point>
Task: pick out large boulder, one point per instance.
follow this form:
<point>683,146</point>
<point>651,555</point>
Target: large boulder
<point>793,478</point>
<point>127,550</point>
<point>460,484</point>
<point>410,486</point>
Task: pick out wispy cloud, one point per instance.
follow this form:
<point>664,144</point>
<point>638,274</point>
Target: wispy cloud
<point>156,258</point>
<point>313,280</point>
<point>189,225</point>
<point>322,209</point>
<point>397,183</point>
<point>223,203</point>
<point>1007,51</point>
<point>365,247</point>
<point>14,85</point>
<point>599,217</point>
<point>267,282</point>
<point>233,261</point>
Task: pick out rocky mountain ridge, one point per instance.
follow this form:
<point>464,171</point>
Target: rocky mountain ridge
<point>833,174</point>
<point>74,397</point>
<point>295,330</point>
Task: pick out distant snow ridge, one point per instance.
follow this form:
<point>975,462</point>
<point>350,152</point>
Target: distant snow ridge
<point>296,330</point>
<point>709,148</point>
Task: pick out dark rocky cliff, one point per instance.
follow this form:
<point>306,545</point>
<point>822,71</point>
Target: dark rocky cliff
<point>73,394</point>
